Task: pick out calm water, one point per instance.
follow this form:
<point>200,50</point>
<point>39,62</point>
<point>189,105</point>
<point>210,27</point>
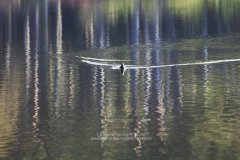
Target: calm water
<point>61,96</point>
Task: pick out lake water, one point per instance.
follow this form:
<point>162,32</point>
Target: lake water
<point>63,97</point>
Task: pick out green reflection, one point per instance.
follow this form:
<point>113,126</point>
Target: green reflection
<point>187,9</point>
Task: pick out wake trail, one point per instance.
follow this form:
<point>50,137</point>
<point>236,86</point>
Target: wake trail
<point>104,60</point>
<point>116,66</point>
<point>197,63</point>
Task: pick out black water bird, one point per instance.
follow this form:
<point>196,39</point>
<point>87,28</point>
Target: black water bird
<point>122,68</point>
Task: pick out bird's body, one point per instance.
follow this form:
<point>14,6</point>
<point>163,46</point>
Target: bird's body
<point>122,68</point>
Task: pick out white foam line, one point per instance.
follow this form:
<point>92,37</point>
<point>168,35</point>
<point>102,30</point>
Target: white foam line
<point>105,60</point>
<point>184,64</point>
<point>198,63</point>
<point>97,63</point>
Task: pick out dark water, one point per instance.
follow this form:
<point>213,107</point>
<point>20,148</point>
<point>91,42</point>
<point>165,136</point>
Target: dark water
<point>61,96</point>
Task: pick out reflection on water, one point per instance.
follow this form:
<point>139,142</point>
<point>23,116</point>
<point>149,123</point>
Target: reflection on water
<point>178,98</point>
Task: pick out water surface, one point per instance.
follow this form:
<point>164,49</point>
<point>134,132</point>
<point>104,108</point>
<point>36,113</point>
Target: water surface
<point>62,96</point>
